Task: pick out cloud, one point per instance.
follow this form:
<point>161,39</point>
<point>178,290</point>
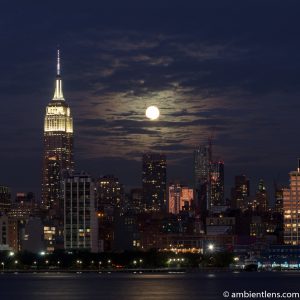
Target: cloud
<point>213,68</point>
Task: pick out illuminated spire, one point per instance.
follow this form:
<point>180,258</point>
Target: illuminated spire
<point>58,94</point>
<point>58,63</point>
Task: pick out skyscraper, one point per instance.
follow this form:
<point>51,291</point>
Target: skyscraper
<point>240,192</point>
<point>291,209</point>
<point>109,192</point>
<point>262,197</point>
<point>5,199</point>
<point>202,158</point>
<point>154,178</point>
<point>216,184</point>
<point>278,199</point>
<point>58,147</point>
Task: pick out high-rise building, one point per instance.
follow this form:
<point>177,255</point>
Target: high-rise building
<point>110,192</point>
<point>240,192</point>
<point>5,199</point>
<point>154,177</point>
<point>261,197</point>
<point>278,199</point>
<point>136,200</point>
<point>202,159</point>
<point>291,209</point>
<point>58,146</point>
<point>216,184</point>
<point>259,202</point>
<point>180,198</point>
<point>80,223</point>
<point>9,235</point>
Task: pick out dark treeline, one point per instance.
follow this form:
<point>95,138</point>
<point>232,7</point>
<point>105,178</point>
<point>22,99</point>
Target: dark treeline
<point>97,261</point>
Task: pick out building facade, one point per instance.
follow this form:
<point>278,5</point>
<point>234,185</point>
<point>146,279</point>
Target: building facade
<point>262,197</point>
<point>154,178</point>
<point>58,146</point>
<point>202,160</point>
<point>240,192</point>
<point>180,198</point>
<point>216,184</point>
<point>291,209</point>
<point>80,223</point>
<point>109,192</point>
<point>5,199</point>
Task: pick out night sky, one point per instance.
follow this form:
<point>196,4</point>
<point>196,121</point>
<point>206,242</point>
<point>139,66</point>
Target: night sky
<point>230,69</point>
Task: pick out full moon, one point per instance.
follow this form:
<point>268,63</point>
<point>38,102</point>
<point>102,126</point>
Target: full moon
<point>152,112</point>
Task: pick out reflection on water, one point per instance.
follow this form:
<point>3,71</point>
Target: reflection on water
<point>200,286</point>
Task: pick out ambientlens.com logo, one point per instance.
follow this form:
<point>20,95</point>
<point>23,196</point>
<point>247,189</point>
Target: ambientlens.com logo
<point>261,295</point>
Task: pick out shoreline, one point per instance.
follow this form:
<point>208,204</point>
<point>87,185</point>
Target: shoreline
<point>138,271</point>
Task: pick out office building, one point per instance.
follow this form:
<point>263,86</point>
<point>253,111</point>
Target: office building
<point>202,160</point>
<point>291,209</point>
<point>80,223</point>
<point>5,199</point>
<point>240,192</point>
<point>262,197</point>
<point>110,192</point>
<point>180,198</point>
<point>58,147</point>
<point>154,177</point>
<point>136,204</point>
<point>216,184</point>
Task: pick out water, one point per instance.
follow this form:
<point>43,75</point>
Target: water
<point>200,286</point>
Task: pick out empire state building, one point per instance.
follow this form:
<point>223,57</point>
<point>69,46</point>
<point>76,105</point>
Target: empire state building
<point>58,146</point>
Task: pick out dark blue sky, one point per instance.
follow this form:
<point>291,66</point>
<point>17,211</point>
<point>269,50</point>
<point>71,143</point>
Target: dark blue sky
<point>227,68</point>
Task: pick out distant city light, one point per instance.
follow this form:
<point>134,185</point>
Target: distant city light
<point>211,247</point>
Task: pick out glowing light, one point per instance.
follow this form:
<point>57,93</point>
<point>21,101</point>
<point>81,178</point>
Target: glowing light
<point>152,112</point>
<point>211,247</point>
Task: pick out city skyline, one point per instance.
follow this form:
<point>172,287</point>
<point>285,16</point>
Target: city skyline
<point>201,74</point>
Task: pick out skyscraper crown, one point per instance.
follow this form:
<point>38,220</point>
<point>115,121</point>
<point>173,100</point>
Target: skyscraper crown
<point>58,94</point>
<point>58,116</point>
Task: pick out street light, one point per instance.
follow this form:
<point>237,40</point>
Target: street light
<point>11,253</point>
<point>16,263</point>
<point>2,263</point>
<point>211,247</point>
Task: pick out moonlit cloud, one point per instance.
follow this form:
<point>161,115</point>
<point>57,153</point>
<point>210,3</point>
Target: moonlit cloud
<point>212,70</point>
